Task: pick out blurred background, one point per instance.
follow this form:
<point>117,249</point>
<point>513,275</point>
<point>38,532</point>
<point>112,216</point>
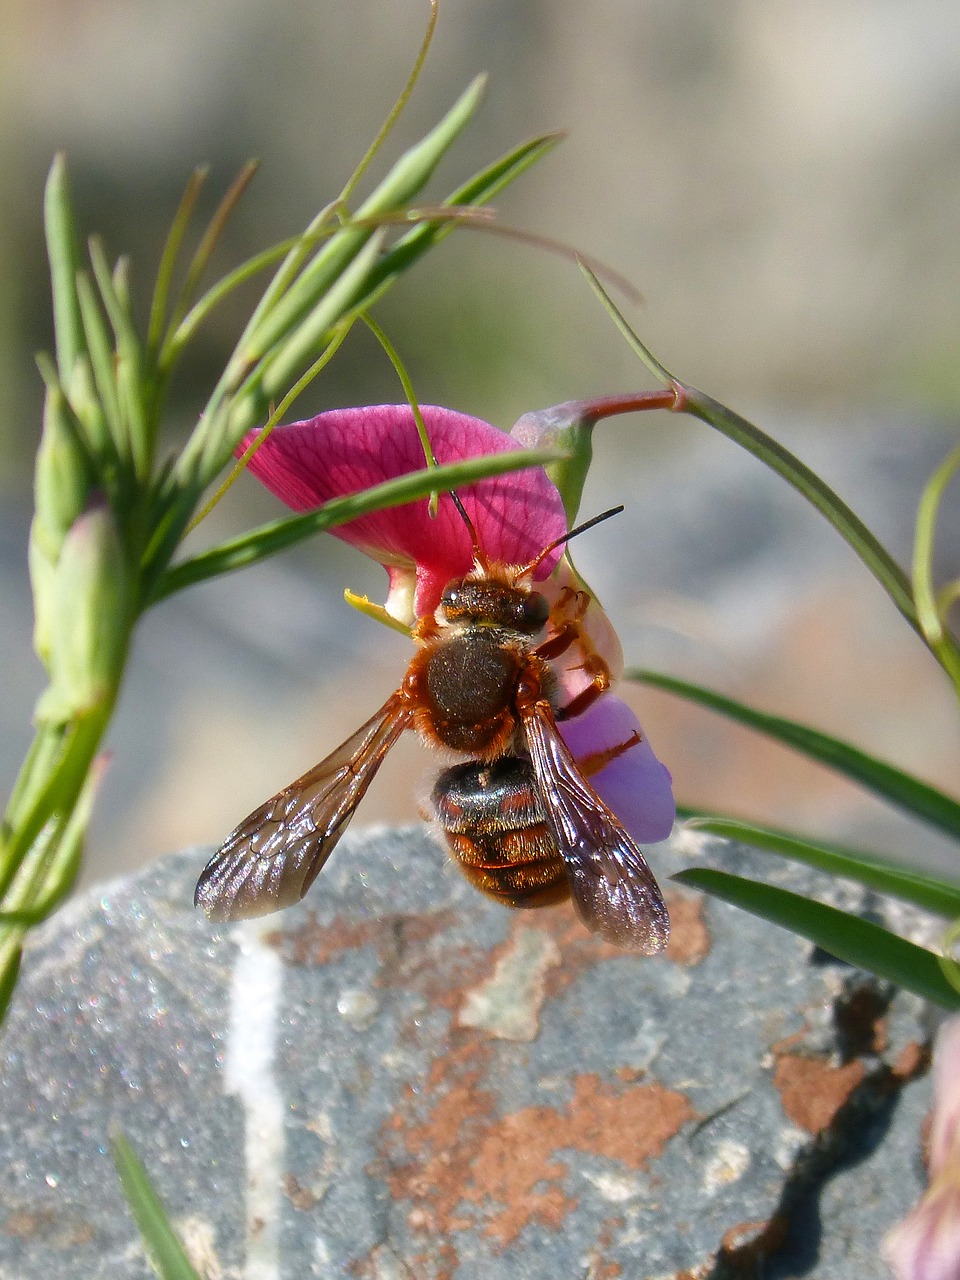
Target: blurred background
<point>779,178</point>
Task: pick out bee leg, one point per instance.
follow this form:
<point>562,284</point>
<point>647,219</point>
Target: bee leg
<point>567,634</point>
<point>598,760</point>
<point>576,706</point>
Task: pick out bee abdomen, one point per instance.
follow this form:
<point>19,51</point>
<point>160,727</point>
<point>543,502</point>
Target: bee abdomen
<point>497,833</point>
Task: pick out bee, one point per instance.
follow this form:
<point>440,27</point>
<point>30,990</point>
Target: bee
<point>518,813</point>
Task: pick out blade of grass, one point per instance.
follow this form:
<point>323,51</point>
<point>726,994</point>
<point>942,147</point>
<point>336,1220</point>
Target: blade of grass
<point>858,942</point>
<point>902,789</point>
<point>884,875</point>
<point>162,1242</point>
<point>407,383</point>
<point>269,539</point>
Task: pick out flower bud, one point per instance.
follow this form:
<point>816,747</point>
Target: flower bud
<point>63,477</point>
<point>88,617</point>
<point>42,565</point>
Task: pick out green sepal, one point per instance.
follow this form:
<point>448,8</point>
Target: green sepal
<point>568,429</point>
<point>563,427</point>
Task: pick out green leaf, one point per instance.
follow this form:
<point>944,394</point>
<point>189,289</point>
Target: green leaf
<point>902,789</point>
<point>171,252</point>
<point>280,366</point>
<point>269,539</point>
<point>856,941</point>
<point>103,367</point>
<point>11,955</point>
<point>163,1244</point>
<point>64,254</point>
<point>932,619</point>
<point>884,875</point>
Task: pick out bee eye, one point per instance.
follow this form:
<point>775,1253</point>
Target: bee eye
<point>537,608</point>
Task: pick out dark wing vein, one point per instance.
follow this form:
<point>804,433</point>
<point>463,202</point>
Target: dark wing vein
<point>274,856</point>
<point>612,886</point>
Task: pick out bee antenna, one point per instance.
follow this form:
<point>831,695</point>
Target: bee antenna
<point>573,533</point>
<point>471,528</point>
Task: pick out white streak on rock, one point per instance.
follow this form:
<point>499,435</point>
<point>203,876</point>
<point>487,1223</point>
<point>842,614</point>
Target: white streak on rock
<point>255,989</point>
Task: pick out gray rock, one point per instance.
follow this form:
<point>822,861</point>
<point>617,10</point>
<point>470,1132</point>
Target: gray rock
<point>401,1079</point>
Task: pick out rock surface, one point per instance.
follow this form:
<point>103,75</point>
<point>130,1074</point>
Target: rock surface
<point>401,1079</point>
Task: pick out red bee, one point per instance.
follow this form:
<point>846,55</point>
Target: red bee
<point>518,814</point>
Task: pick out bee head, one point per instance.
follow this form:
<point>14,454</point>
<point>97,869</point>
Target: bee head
<point>487,597</point>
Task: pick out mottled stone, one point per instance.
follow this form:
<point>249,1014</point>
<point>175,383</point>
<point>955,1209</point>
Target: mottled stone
<point>400,1078</point>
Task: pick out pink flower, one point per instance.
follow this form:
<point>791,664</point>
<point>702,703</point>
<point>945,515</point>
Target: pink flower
<point>926,1244</point>
<point>346,450</point>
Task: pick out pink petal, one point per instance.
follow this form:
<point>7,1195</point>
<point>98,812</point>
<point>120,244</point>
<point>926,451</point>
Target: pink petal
<point>345,450</point>
<point>926,1244</point>
<point>945,1127</point>
<point>635,785</point>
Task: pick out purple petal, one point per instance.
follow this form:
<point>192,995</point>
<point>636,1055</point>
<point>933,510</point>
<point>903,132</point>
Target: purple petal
<point>346,450</point>
<point>634,785</point>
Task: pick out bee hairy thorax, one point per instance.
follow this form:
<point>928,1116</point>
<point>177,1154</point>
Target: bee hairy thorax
<point>473,655</point>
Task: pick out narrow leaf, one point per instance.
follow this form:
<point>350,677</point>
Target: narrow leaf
<point>171,252</point>
<point>211,238</point>
<point>11,955</point>
<point>269,539</point>
<point>162,1242</point>
<point>64,254</point>
<point>932,620</point>
<point>885,780</point>
<point>858,942</point>
<point>884,875</point>
<point>102,365</point>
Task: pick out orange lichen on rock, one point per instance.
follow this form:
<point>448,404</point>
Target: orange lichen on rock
<point>689,936</point>
<point>467,1167</point>
<point>812,1091</point>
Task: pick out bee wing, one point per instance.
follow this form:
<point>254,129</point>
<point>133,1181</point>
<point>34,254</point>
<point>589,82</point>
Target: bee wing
<point>614,890</point>
<point>272,858</point>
